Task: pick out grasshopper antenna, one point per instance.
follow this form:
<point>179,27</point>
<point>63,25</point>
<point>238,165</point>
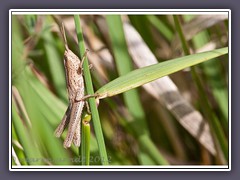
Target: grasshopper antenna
<point>64,36</point>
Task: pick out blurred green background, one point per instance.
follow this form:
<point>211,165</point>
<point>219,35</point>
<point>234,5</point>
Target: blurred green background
<point>138,128</point>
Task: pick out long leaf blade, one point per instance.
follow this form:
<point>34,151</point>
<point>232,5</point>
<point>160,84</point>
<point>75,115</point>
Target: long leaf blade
<point>147,74</point>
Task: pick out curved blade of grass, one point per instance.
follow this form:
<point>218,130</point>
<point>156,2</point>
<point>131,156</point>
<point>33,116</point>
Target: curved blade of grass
<point>89,90</point>
<point>30,150</point>
<point>40,116</point>
<point>41,132</point>
<point>147,74</point>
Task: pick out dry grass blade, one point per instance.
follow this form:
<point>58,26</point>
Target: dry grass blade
<point>166,92</point>
<point>20,106</point>
<point>197,25</point>
<point>15,158</point>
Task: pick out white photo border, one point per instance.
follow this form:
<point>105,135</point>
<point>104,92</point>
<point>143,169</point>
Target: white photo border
<point>113,167</point>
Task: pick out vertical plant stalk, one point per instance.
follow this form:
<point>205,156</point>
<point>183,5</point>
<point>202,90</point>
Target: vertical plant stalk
<point>214,124</point>
<point>181,35</point>
<point>85,147</point>
<point>89,91</point>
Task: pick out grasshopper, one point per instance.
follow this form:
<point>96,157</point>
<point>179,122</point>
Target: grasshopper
<point>75,87</point>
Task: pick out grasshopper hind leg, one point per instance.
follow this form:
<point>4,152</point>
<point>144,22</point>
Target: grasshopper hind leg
<point>77,136</point>
<point>65,121</point>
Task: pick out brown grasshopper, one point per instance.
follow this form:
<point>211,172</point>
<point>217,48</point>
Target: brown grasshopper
<point>75,87</point>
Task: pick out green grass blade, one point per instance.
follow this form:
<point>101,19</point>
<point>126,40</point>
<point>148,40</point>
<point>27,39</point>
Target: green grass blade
<point>181,35</point>
<point>124,66</point>
<point>85,142</point>
<point>153,151</point>
<point>18,150</point>
<point>89,90</point>
<point>54,62</point>
<point>38,101</point>
<point>142,24</point>
<point>147,74</point>
<point>41,117</point>
<point>161,27</point>
<point>31,152</point>
<point>131,98</point>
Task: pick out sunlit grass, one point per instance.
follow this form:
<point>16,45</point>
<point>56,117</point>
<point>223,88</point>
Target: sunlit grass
<point>128,127</point>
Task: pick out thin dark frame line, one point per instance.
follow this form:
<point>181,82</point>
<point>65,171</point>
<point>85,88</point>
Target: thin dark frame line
<point>115,12</point>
